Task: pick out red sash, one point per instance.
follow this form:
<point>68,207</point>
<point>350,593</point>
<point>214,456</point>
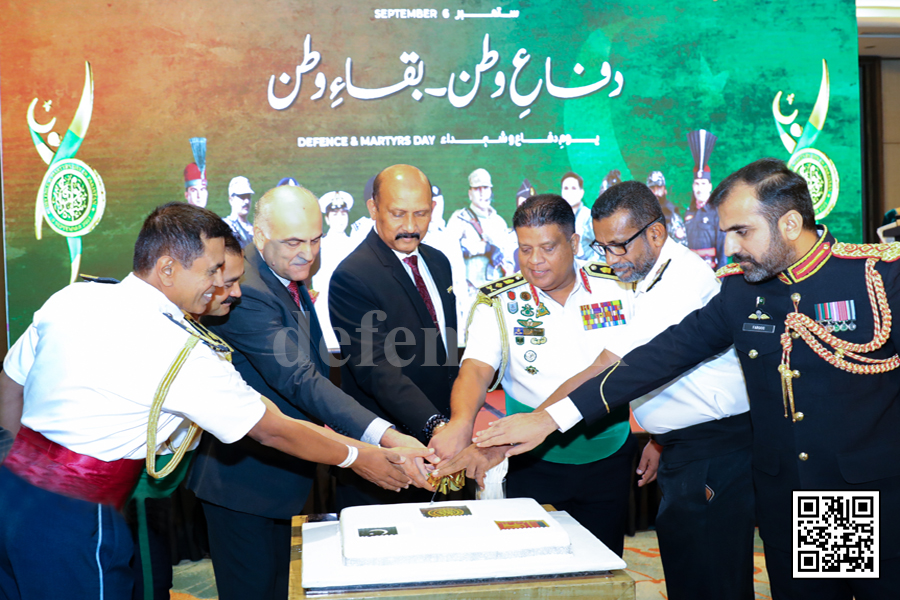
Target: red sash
<point>57,469</point>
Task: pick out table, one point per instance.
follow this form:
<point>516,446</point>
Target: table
<point>618,585</point>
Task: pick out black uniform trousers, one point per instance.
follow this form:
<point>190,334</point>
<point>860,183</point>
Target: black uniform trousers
<point>247,549</point>
<point>594,494</point>
<point>706,518</point>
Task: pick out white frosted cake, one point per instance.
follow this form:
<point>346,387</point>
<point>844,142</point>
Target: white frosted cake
<point>446,531</point>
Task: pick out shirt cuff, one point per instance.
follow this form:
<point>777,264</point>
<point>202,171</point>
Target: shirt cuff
<point>565,413</point>
<point>375,431</point>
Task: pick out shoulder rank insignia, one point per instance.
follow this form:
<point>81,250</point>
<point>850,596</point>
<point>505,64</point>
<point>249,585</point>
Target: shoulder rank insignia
<point>494,288</point>
<point>96,279</point>
<point>885,252</point>
<point>599,269</point>
<point>203,334</point>
<point>729,269</point>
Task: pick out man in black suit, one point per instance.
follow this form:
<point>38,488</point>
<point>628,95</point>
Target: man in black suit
<point>394,312</point>
<point>250,493</point>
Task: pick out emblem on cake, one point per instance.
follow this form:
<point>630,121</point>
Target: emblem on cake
<point>520,524</point>
<point>377,531</point>
<point>445,511</point>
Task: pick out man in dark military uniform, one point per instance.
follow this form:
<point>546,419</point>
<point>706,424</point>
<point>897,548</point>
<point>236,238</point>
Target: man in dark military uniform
<point>810,319</point>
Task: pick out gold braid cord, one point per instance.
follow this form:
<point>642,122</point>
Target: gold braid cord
<point>800,325</point>
<point>161,391</point>
<point>482,298</point>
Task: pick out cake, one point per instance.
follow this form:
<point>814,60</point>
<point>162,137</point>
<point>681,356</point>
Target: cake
<point>449,531</point>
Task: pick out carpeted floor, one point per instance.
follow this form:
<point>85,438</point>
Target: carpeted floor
<point>194,580</point>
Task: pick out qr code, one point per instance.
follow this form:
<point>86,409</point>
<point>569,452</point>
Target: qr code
<point>836,534</point>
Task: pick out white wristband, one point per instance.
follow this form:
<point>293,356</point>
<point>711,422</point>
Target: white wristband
<point>352,453</point>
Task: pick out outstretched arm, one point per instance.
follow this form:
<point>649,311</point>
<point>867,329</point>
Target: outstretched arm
<point>525,431</point>
<point>466,399</point>
<point>309,442</point>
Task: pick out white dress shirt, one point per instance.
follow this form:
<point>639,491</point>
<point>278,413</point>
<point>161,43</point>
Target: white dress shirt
<point>429,285</point>
<point>679,283</point>
<point>91,362</point>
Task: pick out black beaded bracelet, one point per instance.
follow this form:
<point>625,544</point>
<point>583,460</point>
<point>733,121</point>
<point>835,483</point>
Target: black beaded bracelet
<point>433,422</point>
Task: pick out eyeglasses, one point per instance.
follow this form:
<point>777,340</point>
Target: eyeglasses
<point>620,249</point>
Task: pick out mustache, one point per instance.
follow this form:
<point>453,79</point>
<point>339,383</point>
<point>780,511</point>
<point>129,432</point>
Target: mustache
<point>622,266</point>
<point>231,300</point>
<point>740,258</point>
<point>410,236</point>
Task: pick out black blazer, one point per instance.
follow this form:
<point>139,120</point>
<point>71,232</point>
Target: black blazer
<point>273,344</point>
<point>372,278</point>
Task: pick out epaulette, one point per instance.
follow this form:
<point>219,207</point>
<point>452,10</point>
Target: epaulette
<point>501,285</point>
<point>729,269</point>
<point>95,279</point>
<point>885,252</point>
<point>599,269</point>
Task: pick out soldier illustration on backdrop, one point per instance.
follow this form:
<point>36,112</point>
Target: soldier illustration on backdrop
<point>573,193</point>
<point>195,175</point>
<point>363,225</point>
<point>482,235</point>
<point>656,181</point>
<point>334,248</point>
<point>441,238</point>
<point>240,194</point>
<point>701,220</point>
<point>526,191</point>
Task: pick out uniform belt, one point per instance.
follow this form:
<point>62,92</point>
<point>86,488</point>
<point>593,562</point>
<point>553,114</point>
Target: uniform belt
<point>705,440</point>
<point>57,469</point>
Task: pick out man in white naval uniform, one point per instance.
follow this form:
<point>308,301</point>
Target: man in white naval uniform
<point>706,517</point>
<point>77,389</point>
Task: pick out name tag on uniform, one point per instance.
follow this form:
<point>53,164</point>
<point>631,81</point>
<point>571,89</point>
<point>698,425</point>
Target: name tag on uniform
<point>759,328</point>
<point>604,314</point>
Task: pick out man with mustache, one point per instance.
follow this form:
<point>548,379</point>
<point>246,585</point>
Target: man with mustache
<point>706,516</point>
<point>249,494</point>
<point>810,320</point>
<point>224,297</point>
<point>394,313</point>
<point>537,328</point>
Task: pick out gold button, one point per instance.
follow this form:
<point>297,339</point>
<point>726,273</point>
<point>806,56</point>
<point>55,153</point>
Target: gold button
<point>796,373</point>
<point>798,416</point>
<point>795,297</point>
<point>753,354</point>
<point>804,456</point>
<point>795,335</point>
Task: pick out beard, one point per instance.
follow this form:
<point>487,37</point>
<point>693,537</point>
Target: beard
<point>639,268</point>
<point>778,257</point>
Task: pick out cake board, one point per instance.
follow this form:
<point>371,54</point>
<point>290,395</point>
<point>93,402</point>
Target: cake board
<point>590,572</point>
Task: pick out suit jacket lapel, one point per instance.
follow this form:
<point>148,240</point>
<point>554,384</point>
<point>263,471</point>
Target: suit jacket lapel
<point>268,277</point>
<point>443,279</point>
<point>304,316</point>
<point>392,263</point>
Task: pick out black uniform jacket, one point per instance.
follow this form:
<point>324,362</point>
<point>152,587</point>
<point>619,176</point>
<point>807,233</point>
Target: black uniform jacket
<point>845,434</point>
<point>276,351</point>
